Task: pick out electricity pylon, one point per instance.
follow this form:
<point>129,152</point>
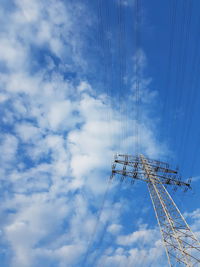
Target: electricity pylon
<point>181,245</point>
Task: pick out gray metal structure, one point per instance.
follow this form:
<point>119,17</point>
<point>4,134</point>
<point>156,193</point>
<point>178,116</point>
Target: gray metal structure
<point>181,245</point>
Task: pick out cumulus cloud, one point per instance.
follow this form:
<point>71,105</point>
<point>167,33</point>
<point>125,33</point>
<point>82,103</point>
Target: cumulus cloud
<point>194,217</point>
<point>120,257</point>
<point>144,235</point>
<point>9,146</point>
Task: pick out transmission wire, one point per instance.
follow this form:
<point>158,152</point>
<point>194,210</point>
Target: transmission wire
<point>180,32</point>
<point>91,241</point>
<point>137,71</point>
<point>180,148</point>
<point>191,103</point>
<point>165,113</point>
<point>113,201</point>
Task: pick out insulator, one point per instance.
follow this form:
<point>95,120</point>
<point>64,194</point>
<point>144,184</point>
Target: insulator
<point>132,182</point>
<point>178,177</point>
<point>185,189</point>
<point>113,166</point>
<point>126,181</point>
<point>113,172</point>
<point>124,170</point>
<point>156,169</point>
<point>135,175</point>
<point>175,188</point>
<point>136,165</point>
<point>122,178</point>
<point>112,175</point>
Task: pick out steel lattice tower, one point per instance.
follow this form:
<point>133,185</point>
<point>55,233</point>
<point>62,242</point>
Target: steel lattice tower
<point>180,243</point>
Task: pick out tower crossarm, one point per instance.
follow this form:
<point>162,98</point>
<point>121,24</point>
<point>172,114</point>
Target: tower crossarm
<point>133,168</point>
<point>137,163</point>
<point>126,157</point>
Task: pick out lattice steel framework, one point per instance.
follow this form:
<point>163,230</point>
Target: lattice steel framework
<point>180,243</point>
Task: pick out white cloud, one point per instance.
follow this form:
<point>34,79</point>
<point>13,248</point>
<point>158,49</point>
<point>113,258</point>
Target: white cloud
<point>120,257</point>
<point>114,228</point>
<point>60,113</point>
<point>8,146</point>
<point>147,236</point>
<point>34,221</point>
<point>12,53</point>
<point>3,97</point>
<point>22,83</point>
<point>194,216</point>
<point>28,132</point>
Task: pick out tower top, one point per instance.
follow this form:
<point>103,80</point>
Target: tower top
<point>133,167</point>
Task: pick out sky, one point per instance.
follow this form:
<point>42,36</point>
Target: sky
<point>69,101</point>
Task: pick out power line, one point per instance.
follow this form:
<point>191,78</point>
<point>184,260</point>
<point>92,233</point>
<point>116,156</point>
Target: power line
<point>91,241</point>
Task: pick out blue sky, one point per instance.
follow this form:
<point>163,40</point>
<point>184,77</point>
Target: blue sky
<point>68,104</point>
